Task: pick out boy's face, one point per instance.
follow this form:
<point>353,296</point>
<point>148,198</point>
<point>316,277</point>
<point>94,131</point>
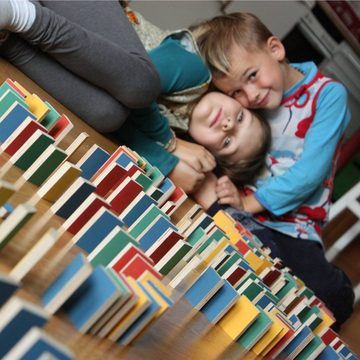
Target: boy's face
<point>225,128</point>
<point>257,77</point>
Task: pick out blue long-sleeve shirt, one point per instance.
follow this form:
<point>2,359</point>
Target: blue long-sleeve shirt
<point>306,131</point>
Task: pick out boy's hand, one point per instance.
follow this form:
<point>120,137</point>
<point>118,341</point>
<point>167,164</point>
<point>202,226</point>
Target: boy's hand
<point>228,193</point>
<point>196,156</point>
<point>251,204</point>
<point>186,177</point>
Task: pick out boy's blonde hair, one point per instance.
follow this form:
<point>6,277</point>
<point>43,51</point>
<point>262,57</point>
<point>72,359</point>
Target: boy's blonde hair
<point>215,38</point>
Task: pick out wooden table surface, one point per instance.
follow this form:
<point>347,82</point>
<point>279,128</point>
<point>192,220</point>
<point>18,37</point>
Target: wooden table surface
<point>181,333</point>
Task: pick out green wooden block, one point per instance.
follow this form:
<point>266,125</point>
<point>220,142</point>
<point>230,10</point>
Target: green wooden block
<point>49,161</point>
<point>315,345</point>
<point>246,277</point>
<point>14,222</point>
<point>217,234</point>
<point>204,245</point>
<point>234,258</point>
<point>156,194</point>
<point>139,226</point>
<point>31,150</point>
<point>257,329</point>
<point>110,247</point>
<point>8,98</point>
<point>143,180</point>
<point>290,284</point>
<point>252,290</point>
<point>177,255</point>
<point>196,236</point>
<point>156,176</point>
<point>51,117</point>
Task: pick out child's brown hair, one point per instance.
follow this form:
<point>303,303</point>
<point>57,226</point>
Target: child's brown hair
<point>215,38</point>
<point>245,172</point>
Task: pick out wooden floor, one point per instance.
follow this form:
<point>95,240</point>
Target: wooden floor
<point>348,260</point>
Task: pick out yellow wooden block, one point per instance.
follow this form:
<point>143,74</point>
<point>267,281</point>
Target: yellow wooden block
<point>266,263</point>
<point>327,321</point>
<point>59,181</point>
<point>162,303</point>
<point>254,261</point>
<point>147,276</point>
<point>141,305</point>
<point>227,224</point>
<point>239,317</point>
<point>222,244</point>
<point>37,106</point>
<point>276,331</point>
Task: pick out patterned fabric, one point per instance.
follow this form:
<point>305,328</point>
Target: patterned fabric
<point>173,106</point>
<point>290,125</point>
<point>150,35</point>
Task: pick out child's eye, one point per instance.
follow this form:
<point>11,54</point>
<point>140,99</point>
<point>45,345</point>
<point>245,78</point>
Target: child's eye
<point>235,94</point>
<point>252,76</point>
<point>227,142</point>
<point>240,116</point>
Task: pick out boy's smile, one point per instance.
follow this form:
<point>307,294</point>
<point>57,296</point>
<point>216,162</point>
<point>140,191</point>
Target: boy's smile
<point>225,128</point>
<point>257,77</point>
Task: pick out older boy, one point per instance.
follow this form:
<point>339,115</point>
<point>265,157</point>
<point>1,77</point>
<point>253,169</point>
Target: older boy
<point>308,115</point>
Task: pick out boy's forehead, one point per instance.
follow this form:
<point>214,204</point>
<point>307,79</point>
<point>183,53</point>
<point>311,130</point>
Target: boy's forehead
<point>240,58</point>
<point>241,62</point>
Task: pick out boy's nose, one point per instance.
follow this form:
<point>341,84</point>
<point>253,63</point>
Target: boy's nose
<point>252,95</point>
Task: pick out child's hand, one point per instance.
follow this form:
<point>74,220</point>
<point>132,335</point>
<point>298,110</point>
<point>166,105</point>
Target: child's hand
<point>228,193</point>
<point>186,177</point>
<point>205,195</point>
<point>195,156</point>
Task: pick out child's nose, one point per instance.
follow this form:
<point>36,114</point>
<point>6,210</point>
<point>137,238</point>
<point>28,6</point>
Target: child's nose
<point>227,123</point>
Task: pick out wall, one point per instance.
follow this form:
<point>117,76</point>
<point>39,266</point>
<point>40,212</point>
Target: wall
<point>279,16</point>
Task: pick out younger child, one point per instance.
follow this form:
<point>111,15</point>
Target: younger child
<point>308,114</point>
<point>238,138</point>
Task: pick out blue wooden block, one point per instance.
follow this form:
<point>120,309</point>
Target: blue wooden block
<point>102,223</point>
<point>208,283</point>
<point>155,230</point>
<point>17,317</point>
<point>12,119</point>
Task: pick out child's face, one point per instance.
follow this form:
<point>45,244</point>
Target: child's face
<point>257,78</point>
<point>225,128</point>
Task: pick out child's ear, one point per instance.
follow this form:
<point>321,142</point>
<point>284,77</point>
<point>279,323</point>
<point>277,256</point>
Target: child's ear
<point>276,48</point>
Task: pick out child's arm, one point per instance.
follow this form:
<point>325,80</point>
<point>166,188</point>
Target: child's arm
<point>251,204</point>
<point>286,192</point>
<point>229,194</point>
<point>205,195</point>
<point>186,177</point>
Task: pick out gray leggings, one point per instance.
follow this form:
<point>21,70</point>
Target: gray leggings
<point>86,55</point>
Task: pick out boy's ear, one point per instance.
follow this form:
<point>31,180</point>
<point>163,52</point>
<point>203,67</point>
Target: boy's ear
<point>276,48</point>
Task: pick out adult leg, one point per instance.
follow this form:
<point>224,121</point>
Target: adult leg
<point>307,260</point>
<point>92,104</point>
<point>104,49</point>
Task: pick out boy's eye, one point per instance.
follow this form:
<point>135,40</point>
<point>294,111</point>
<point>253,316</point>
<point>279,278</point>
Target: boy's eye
<point>240,116</point>
<point>227,142</point>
